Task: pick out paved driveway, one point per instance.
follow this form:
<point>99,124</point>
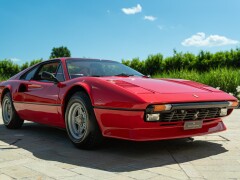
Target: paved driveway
<point>41,152</point>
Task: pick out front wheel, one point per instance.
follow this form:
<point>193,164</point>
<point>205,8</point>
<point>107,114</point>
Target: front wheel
<point>81,124</point>
<point>10,117</point>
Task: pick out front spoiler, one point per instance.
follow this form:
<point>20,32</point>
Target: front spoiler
<point>131,126</point>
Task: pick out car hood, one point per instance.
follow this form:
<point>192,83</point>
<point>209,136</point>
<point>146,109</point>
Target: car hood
<point>139,92</point>
<point>163,86</point>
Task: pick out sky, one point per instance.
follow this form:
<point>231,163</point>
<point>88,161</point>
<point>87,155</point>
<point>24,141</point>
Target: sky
<point>116,30</point>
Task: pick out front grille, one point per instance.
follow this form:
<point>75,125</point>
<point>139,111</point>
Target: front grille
<point>190,114</point>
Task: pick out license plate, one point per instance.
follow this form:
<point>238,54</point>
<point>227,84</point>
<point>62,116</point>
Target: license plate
<point>193,125</point>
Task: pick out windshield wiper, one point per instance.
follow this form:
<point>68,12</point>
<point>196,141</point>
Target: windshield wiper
<point>124,74</point>
<point>95,75</point>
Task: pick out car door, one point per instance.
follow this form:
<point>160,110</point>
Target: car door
<point>38,98</point>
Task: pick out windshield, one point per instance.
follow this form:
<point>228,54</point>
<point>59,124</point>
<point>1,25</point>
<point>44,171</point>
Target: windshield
<point>98,68</point>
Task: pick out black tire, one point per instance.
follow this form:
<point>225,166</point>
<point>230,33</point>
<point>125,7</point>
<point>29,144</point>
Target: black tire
<point>84,133</point>
<point>9,115</point>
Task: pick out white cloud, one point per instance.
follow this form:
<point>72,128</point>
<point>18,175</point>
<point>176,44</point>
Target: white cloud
<point>15,59</point>
<point>200,39</point>
<point>150,18</point>
<point>132,10</point>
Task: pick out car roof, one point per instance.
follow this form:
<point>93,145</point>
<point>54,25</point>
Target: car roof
<point>84,59</point>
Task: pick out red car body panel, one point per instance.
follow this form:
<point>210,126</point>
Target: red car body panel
<point>119,103</point>
<point>130,125</point>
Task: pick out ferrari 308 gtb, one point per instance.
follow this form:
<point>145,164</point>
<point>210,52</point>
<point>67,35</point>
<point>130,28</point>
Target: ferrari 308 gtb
<point>93,98</point>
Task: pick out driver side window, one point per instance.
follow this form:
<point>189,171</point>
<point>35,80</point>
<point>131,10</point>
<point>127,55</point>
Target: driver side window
<point>50,67</point>
<point>29,75</point>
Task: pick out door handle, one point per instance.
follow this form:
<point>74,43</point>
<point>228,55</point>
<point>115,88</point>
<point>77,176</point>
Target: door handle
<point>26,87</point>
<point>34,86</point>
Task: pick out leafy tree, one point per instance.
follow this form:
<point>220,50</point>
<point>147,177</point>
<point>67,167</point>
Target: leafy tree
<point>24,66</point>
<point>138,65</point>
<point>154,64</point>
<point>60,52</point>
<point>126,62</point>
<point>35,61</point>
<point>203,61</point>
<point>236,58</point>
<point>8,68</point>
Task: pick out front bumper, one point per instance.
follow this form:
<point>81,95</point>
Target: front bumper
<point>130,125</point>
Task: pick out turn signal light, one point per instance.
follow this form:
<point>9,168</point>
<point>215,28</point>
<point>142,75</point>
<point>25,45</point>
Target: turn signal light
<point>163,107</point>
<point>233,103</point>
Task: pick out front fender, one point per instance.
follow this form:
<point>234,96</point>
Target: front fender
<point>3,90</point>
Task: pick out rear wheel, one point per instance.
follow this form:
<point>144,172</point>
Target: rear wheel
<point>81,124</point>
<point>10,117</point>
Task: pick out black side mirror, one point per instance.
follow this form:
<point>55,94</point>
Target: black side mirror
<point>49,77</point>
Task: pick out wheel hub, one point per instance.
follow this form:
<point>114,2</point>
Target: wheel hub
<point>7,110</point>
<point>77,119</point>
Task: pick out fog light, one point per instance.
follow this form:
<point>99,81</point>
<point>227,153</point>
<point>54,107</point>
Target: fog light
<point>223,112</point>
<point>152,117</point>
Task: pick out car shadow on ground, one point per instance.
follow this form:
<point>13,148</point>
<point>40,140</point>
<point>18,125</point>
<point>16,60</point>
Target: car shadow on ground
<point>52,144</point>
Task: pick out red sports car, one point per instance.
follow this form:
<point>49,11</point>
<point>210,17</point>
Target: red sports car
<point>95,98</point>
